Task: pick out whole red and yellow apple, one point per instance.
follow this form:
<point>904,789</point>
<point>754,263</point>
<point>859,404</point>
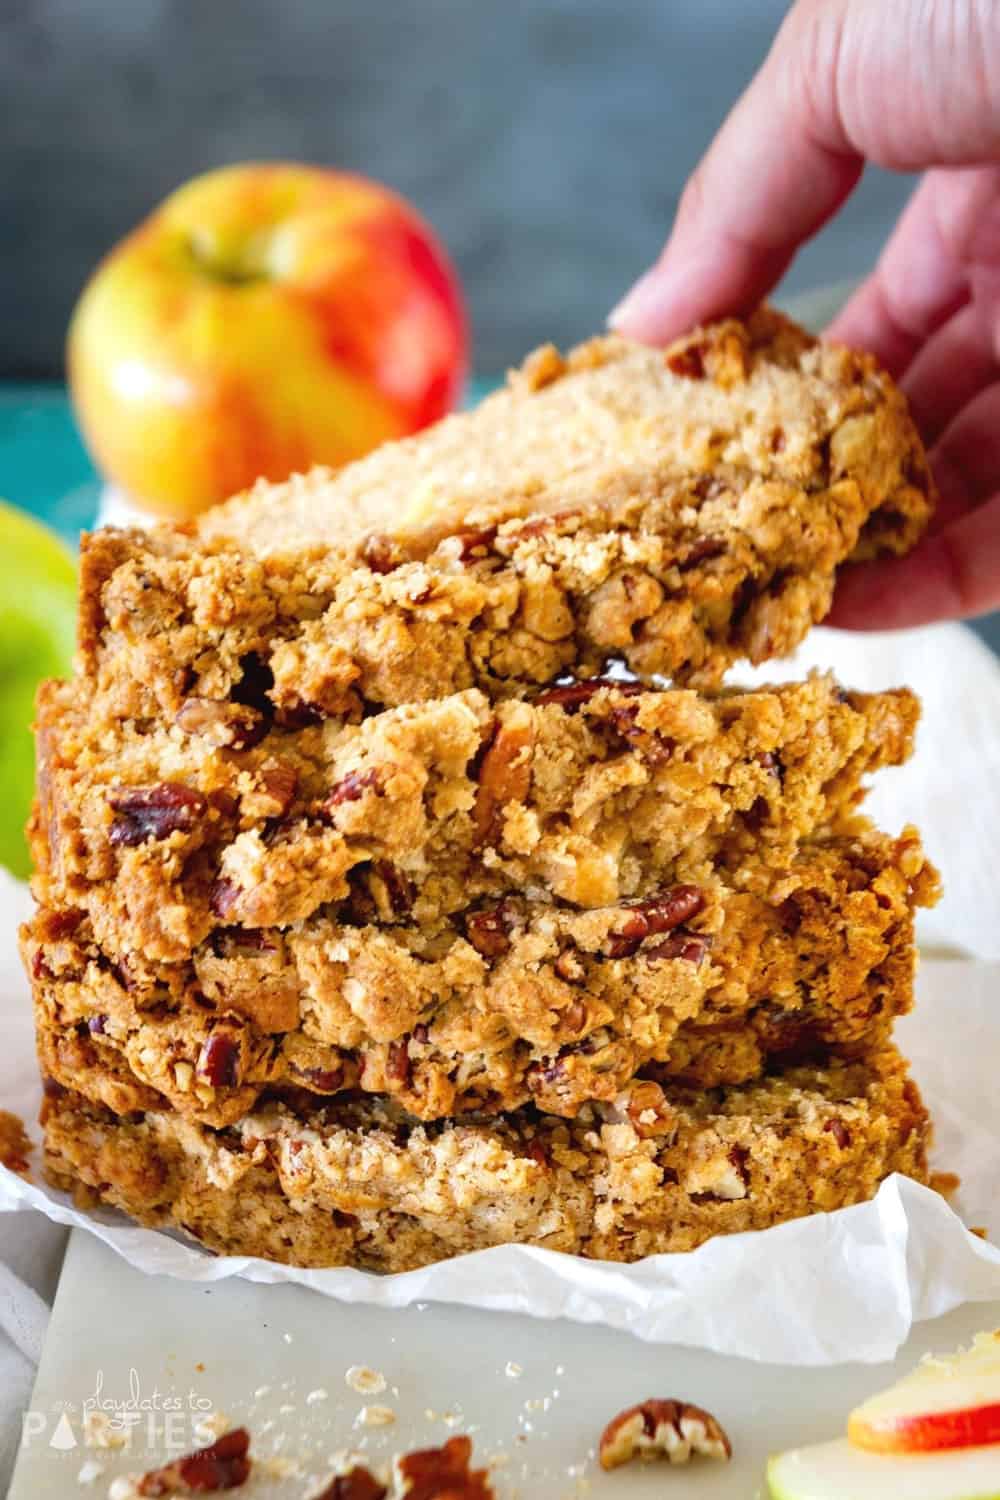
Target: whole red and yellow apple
<point>265,318</point>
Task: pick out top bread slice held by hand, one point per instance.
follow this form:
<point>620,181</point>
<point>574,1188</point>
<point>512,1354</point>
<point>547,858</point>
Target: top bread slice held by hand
<point>678,509</point>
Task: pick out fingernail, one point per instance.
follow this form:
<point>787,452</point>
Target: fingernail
<point>630,313</point>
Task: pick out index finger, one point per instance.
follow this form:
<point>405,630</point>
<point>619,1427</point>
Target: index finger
<point>772,177</point>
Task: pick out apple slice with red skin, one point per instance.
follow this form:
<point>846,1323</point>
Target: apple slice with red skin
<point>839,1471</point>
<point>945,1403</point>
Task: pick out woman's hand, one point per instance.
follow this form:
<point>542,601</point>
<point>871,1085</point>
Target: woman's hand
<point>911,84</point>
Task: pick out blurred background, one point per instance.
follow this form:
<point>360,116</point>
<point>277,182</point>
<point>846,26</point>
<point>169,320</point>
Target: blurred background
<point>546,142</point>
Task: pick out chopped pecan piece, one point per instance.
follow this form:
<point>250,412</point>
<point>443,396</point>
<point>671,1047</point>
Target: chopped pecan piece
<point>223,1465</point>
<point>278,783</point>
<point>772,762</point>
<point>653,747</point>
<point>62,924</point>
<point>352,787</point>
<point>739,1159</point>
<point>300,715</point>
<point>570,695</point>
<point>840,1133</point>
<point>323,1080</point>
<point>397,886</point>
<point>489,931</point>
<point>242,940</point>
<point>476,543</point>
<point>701,551</point>
<point>443,1474</point>
<point>504,775</point>
<point>670,1429</point>
<point>790,1037</point>
<point>658,913</point>
<point>218,1061</point>
<point>153,812</point>
<point>574,1017</point>
<point>223,897</point>
<point>356,1484</point>
<point>397,1065</point>
<point>688,361</point>
<point>569,967</point>
<point>690,946</point>
<point>235,725</point>
<point>647,1108</point>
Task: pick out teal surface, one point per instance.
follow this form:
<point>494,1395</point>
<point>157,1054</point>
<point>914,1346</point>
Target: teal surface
<point>44,466</point>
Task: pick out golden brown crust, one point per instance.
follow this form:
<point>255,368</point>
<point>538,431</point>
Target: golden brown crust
<point>360,1184</point>
<point>741,401</point>
<point>589,795</point>
<point>378,925</point>
<point>692,510</point>
<point>510,1004</point>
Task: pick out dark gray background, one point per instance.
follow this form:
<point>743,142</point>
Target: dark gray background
<point>547,141</point>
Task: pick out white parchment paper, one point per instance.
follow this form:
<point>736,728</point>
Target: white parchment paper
<point>843,1286</point>
<point>815,1291</point>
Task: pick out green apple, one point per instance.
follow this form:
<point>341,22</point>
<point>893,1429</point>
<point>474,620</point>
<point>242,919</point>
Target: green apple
<point>840,1471</point>
<point>37,632</point>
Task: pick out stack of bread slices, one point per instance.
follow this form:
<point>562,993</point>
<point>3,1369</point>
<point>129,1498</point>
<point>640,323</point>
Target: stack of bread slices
<point>409,883</point>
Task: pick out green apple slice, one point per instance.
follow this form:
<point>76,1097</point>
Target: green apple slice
<point>839,1471</point>
<point>37,633</point>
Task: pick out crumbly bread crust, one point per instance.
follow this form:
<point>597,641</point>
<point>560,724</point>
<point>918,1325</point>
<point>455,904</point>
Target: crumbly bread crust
<point>163,836</point>
<point>693,511</point>
<point>742,400</point>
<point>368,938</point>
<point>514,1003</point>
<point>358,1183</point>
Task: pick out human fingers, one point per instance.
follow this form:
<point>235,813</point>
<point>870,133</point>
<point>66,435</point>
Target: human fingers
<point>794,145</point>
<point>951,576</point>
<point>770,179</point>
<point>955,571</point>
<point>949,372</point>
<point>948,234</point>
<point>966,458</point>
